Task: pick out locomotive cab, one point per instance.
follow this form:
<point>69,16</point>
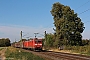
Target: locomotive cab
<point>38,44</point>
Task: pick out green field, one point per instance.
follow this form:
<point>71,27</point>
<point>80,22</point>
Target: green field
<point>16,54</point>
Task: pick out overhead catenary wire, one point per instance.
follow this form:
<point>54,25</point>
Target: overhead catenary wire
<point>82,5</point>
<point>43,29</point>
<point>84,11</point>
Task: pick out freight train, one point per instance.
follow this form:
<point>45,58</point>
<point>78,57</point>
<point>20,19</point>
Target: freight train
<point>32,44</point>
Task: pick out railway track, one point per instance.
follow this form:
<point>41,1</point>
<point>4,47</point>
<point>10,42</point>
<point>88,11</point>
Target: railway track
<point>60,55</point>
<point>65,56</point>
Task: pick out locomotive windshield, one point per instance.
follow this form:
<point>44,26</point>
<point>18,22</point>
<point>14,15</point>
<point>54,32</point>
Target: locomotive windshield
<point>38,41</point>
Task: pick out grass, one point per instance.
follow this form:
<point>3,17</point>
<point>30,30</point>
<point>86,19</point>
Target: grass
<point>84,50</point>
<point>2,48</point>
<point>15,54</point>
<point>79,49</point>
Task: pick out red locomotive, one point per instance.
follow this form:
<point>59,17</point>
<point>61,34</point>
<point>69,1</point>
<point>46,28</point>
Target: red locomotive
<point>33,44</point>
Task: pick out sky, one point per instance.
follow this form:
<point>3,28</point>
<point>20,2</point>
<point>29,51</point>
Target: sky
<point>32,16</point>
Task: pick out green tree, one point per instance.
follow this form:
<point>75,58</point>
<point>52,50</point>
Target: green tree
<point>50,40</point>
<point>68,25</point>
<point>5,42</point>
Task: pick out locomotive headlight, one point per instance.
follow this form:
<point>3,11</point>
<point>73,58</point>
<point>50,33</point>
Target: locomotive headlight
<point>40,44</point>
<point>35,44</point>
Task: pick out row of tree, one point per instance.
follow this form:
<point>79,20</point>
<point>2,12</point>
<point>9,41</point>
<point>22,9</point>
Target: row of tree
<point>51,41</point>
<point>86,42</point>
<point>4,42</point>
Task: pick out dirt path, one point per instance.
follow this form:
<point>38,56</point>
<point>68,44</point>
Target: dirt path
<point>2,54</point>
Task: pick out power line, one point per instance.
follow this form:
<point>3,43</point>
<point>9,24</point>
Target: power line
<point>84,11</point>
<point>45,28</point>
<point>83,4</point>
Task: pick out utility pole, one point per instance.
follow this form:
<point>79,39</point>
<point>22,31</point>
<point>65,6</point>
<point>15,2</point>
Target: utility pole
<point>36,34</point>
<point>45,39</point>
<point>21,40</point>
<point>21,35</point>
<point>45,35</point>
